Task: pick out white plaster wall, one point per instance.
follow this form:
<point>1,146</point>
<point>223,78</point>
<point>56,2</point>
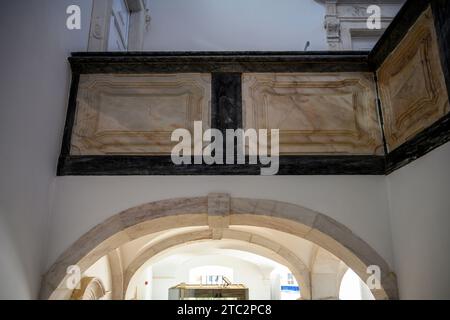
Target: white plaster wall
<point>235,25</point>
<point>148,291</point>
<point>420,218</point>
<point>366,294</point>
<point>359,202</point>
<point>142,291</point>
<point>34,83</point>
<point>12,270</point>
<point>275,284</point>
<point>353,288</point>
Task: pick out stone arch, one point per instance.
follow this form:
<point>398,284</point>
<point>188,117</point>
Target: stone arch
<point>326,268</point>
<point>115,264</point>
<point>215,211</point>
<point>296,265</point>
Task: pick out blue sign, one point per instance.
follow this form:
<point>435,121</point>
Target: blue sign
<point>290,288</point>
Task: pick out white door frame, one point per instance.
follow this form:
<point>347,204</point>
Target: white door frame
<point>100,24</point>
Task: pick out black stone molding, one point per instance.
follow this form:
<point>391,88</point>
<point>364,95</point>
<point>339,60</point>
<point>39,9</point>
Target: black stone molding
<point>210,62</point>
<point>441,14</point>
<point>70,115</point>
<point>396,31</point>
<point>422,143</point>
<point>226,101</point>
<point>163,165</point>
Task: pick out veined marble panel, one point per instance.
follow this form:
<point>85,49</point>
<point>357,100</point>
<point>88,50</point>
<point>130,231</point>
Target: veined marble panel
<point>136,114</point>
<point>412,85</point>
<point>318,113</point>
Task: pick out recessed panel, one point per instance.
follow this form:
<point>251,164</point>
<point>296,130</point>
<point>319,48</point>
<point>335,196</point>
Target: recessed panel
<point>412,85</point>
<point>136,114</point>
<point>315,113</point>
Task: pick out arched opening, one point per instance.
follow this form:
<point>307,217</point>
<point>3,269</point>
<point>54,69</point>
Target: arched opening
<point>208,264</point>
<point>284,285</point>
<point>353,288</point>
<point>245,240</point>
<point>217,217</point>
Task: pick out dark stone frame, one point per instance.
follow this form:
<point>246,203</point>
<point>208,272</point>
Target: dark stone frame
<point>226,101</point>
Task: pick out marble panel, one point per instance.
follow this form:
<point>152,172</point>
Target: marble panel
<point>412,86</point>
<point>136,114</point>
<point>320,113</point>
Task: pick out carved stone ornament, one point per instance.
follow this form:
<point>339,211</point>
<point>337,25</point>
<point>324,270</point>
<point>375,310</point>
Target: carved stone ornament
<point>333,27</point>
<point>90,289</point>
<point>97,30</point>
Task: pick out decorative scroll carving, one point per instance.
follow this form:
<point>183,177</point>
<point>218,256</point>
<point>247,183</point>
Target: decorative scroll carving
<point>315,113</point>
<point>97,30</point>
<point>412,85</point>
<point>345,20</point>
<point>90,289</point>
<point>136,114</point>
<point>333,27</point>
